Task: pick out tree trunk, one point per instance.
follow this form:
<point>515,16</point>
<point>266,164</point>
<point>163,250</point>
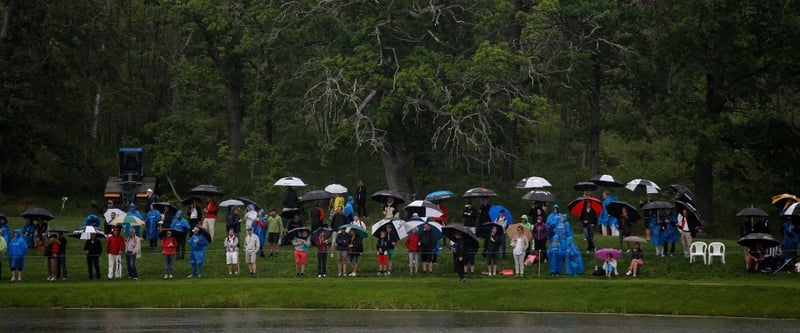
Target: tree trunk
<point>704,159</point>
<point>395,170</point>
<point>7,19</point>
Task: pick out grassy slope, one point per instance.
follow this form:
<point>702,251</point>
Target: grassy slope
<point>668,286</point>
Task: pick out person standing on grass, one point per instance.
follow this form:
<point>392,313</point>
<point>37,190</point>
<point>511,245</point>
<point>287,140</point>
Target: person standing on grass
<point>274,230</point>
<point>182,228</point>
<point>3,247</point>
<point>133,212</point>
<point>92,249</point>
<point>210,216</point>
<point>168,246</point>
<point>412,245</point>
<point>519,245</point>
<point>61,267</point>
<point>382,246</point>
<point>252,246</point>
<point>195,213</point>
<point>133,251</point>
<point>589,221</point>
<point>301,244</point>
<point>392,236</point>
<point>342,242</point>
<point>51,253</point>
<point>250,216</point>
<point>492,248</point>
<point>460,254</point>
<point>470,215</point>
<point>260,231</point>
<point>16,255</point>
<point>540,233</point>
<point>115,247</point>
<point>427,241</point>
<point>321,242</point>
<point>197,257</point>
<point>232,251</point>
<point>361,199</point>
<point>151,227</point>
<point>349,211</point>
<point>355,248</point>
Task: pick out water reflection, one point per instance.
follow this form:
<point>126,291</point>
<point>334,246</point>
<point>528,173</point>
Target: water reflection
<point>227,320</point>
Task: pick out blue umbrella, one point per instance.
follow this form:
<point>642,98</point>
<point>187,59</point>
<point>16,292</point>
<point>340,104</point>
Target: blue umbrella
<point>435,227</point>
<point>440,195</point>
<point>494,213</point>
<point>248,202</point>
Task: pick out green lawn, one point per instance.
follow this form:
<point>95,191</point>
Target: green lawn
<point>669,285</point>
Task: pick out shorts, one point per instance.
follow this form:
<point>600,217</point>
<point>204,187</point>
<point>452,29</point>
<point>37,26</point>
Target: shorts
<point>491,258</point>
<point>426,256</point>
<point>300,257</point>
<point>470,260</point>
<point>352,258</point>
<point>231,258</point>
<point>382,259</point>
<point>250,257</point>
<point>341,256</point>
<point>273,237</point>
<point>390,254</point>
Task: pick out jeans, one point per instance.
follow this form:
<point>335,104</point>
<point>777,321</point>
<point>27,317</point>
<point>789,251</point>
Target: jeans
<point>588,232</point>
<point>130,258</point>
<point>93,264</point>
<point>197,269</point>
<point>322,263</point>
<point>61,270</point>
<point>169,264</point>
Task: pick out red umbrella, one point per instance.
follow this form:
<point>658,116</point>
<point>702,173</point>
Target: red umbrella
<point>579,204</point>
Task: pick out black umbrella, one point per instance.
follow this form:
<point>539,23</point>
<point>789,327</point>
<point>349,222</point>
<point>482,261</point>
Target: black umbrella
<point>606,180</point>
<point>540,196</point>
<point>681,205</point>
<point>37,213</point>
<point>315,195</point>
<point>161,206</point>
<point>684,194</point>
<point>188,201</point>
<point>3,218</point>
<point>614,209</point>
<point>58,229</point>
<point>289,213</point>
<point>296,231</point>
<point>384,195</point>
<point>752,212</point>
<point>248,202</point>
<point>751,239</point>
<point>326,230</point>
<point>469,238</point>
<point>657,205</point>
<point>585,186</point>
<point>206,190</point>
<point>204,233</point>
<point>163,232</point>
<point>479,192</point>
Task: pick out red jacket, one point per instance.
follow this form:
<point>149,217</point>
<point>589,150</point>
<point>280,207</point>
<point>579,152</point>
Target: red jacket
<point>412,242</point>
<point>116,244</point>
<point>168,246</point>
<point>211,210</point>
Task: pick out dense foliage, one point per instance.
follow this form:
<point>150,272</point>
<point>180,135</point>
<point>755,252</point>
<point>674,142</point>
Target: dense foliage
<point>413,95</point>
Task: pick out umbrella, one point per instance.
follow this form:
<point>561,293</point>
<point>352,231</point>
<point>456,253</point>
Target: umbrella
<point>160,206</point>
<point>579,204</point>
<point>326,230</point>
<point>751,239</point>
<point>684,194</point>
<point>163,232</point>
<point>494,213</point>
<point>423,208</point>
<point>585,186</point>
<point>440,195</point>
<point>117,212</point>
<point>540,196</point>
<point>635,239</point>
<point>398,227</point>
<point>86,232</point>
<point>604,252</point>
<point>606,180</point>
<point>315,195</point>
<point>204,233</point>
<point>515,232</point>
<point>478,192</point>
<point>188,201</point>
<point>657,205</point>
<point>361,232</point>
<point>37,213</point>
<point>248,202</point>
<point>289,212</point>
<point>335,189</point>
<point>793,209</point>
<point>642,185</point>
<point>290,181</point>
<point>752,211</point>
<point>533,182</point>
<point>384,195</point>
<point>450,231</point>
<point>650,190</point>
<point>614,209</point>
<point>435,227</point>
<point>296,232</point>
<point>693,214</point>
<point>206,190</point>
<point>231,202</point>
<point>58,229</point>
<point>126,219</point>
<point>781,201</point>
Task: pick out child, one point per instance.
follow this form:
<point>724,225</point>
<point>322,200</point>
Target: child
<point>321,241</point>
<point>383,248</point>
<point>51,252</point>
<point>610,265</point>
<point>300,243</point>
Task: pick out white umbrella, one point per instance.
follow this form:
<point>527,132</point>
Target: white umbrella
<point>642,185</point>
<point>606,180</point>
<point>533,182</point>
<point>290,181</point>
<point>117,212</point>
<point>231,202</point>
<point>335,189</point>
<point>88,231</point>
<point>423,208</point>
<point>398,224</point>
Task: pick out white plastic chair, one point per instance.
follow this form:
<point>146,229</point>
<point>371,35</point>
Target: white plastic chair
<point>698,249</point>
<point>716,249</point>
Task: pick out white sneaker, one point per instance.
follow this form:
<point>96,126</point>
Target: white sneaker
<point>628,273</point>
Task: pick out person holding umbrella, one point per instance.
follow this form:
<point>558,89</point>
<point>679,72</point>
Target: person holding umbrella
<point>355,247</point>
<point>753,257</point>
<point>427,241</point>
<point>168,246</point>
<point>92,249</point>
<point>382,246</point>
<point>412,245</point>
<point>210,216</point>
<point>197,257</point>
<point>115,247</point>
<point>589,221</point>
<point>460,249</point>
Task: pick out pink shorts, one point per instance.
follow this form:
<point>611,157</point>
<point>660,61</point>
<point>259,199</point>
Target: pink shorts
<point>382,259</point>
<point>300,257</point>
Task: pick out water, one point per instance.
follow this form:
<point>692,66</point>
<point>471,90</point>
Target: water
<point>228,320</point>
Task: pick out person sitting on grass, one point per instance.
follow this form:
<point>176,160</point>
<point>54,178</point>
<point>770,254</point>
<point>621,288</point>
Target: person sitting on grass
<point>636,259</point>
<point>610,265</point>
<point>753,258</point>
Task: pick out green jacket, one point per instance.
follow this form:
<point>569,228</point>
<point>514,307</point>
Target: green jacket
<point>275,225</point>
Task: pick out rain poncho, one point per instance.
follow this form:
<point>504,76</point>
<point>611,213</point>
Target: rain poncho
<point>151,224</point>
<point>671,233</point>
<point>573,261</point>
<point>552,222</point>
<point>260,227</point>
<point>16,251</point>
<point>28,233</point>
<point>607,220</point>
<point>349,212</point>
<point>555,256</point>
<point>789,244</point>
<point>133,212</point>
<point>6,231</point>
<point>249,216</point>
<point>198,244</point>
<point>92,220</point>
<point>179,223</point>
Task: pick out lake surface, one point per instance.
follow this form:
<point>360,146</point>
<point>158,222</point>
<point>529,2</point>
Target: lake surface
<point>228,320</point>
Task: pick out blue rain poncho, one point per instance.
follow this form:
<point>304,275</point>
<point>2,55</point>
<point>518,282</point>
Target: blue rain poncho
<point>573,261</point>
<point>179,223</point>
<point>555,256</point>
<point>607,220</point>
<point>198,244</point>
<point>349,212</point>
<point>16,251</point>
<point>789,244</point>
<point>553,220</point>
<point>151,224</point>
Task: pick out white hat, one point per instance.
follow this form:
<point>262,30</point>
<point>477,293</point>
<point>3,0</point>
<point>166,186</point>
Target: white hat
<point>149,190</point>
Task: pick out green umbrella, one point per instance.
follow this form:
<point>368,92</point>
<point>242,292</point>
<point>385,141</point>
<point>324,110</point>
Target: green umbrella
<point>361,232</point>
